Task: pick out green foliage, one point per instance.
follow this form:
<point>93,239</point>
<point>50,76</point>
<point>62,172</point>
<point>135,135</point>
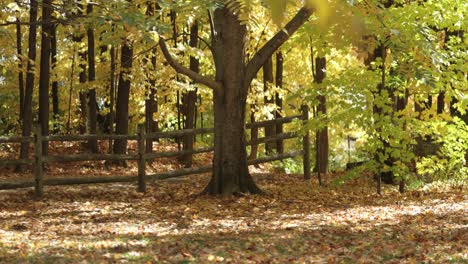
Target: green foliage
<point>450,161</point>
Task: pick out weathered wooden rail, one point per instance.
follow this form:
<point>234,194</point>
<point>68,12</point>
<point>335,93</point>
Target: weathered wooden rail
<point>140,156</point>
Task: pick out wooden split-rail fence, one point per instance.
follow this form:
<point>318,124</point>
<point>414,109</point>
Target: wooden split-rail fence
<point>38,160</point>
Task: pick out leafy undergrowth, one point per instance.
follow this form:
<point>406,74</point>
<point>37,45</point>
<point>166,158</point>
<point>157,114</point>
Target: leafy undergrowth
<point>295,222</point>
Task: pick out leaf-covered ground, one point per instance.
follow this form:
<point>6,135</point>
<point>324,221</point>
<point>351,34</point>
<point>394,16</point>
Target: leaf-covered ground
<point>295,222</point>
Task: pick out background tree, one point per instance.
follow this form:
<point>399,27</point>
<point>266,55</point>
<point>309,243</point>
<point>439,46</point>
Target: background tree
<point>28,93</point>
<point>44,77</point>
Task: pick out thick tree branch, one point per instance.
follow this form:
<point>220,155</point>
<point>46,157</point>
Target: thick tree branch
<point>274,43</point>
<point>196,77</point>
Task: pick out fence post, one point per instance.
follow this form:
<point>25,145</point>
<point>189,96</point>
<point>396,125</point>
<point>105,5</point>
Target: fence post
<point>141,158</point>
<point>38,163</point>
<point>306,143</point>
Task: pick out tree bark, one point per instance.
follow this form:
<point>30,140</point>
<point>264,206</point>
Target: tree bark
<point>322,144</point>
<point>82,61</point>
<point>112,95</point>
<point>278,99</point>
<point>44,77</point>
<point>151,103</point>
<point>441,103</point>
<point>270,130</point>
<point>55,91</point>
<point>19,51</point>
<point>253,135</point>
<point>92,104</point>
<point>189,100</point>
<point>28,93</point>
<point>230,170</point>
<point>123,94</point>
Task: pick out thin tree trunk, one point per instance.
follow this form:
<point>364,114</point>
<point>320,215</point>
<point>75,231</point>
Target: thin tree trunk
<point>441,103</point>
<point>270,129</point>
<point>322,134</point>
<point>173,16</point>
<point>190,99</point>
<point>92,104</point>
<point>28,93</point>
<point>278,99</point>
<point>44,77</point>
<point>19,51</point>
<point>150,109</point>
<point>55,91</point>
<point>253,135</point>
<point>151,101</point>
<point>82,61</point>
<point>123,94</point>
<point>385,176</point>
<point>400,105</point>
<point>112,96</point>
<point>72,74</point>
<point>83,107</point>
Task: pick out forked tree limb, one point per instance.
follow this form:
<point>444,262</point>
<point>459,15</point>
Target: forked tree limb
<point>274,43</point>
<point>196,77</point>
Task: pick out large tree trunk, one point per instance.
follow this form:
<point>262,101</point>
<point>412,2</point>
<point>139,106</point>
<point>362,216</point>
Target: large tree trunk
<point>28,93</point>
<point>230,170</point>
<point>322,134</point>
<point>123,94</point>
<point>230,87</point>
<point>189,99</point>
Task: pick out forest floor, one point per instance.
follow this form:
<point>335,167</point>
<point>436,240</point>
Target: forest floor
<point>296,221</point>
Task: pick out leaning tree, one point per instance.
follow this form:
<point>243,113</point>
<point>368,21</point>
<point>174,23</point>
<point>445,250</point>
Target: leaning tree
<point>230,86</point>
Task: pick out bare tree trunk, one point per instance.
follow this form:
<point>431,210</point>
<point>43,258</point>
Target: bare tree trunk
<point>112,95</point>
<point>28,93</point>
<point>253,135</point>
<point>441,103</point>
<point>92,104</point>
<point>151,103</point>
<point>270,129</point>
<point>44,77</point>
<point>230,171</point>
<point>278,99</point>
<point>123,94</point>
<point>19,51</point>
<point>82,61</point>
<point>55,91</point>
<point>190,99</point>
<point>322,134</point>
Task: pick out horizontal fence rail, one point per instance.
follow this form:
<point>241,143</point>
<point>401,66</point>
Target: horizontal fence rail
<point>281,120</point>
<point>15,139</point>
<point>141,156</point>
